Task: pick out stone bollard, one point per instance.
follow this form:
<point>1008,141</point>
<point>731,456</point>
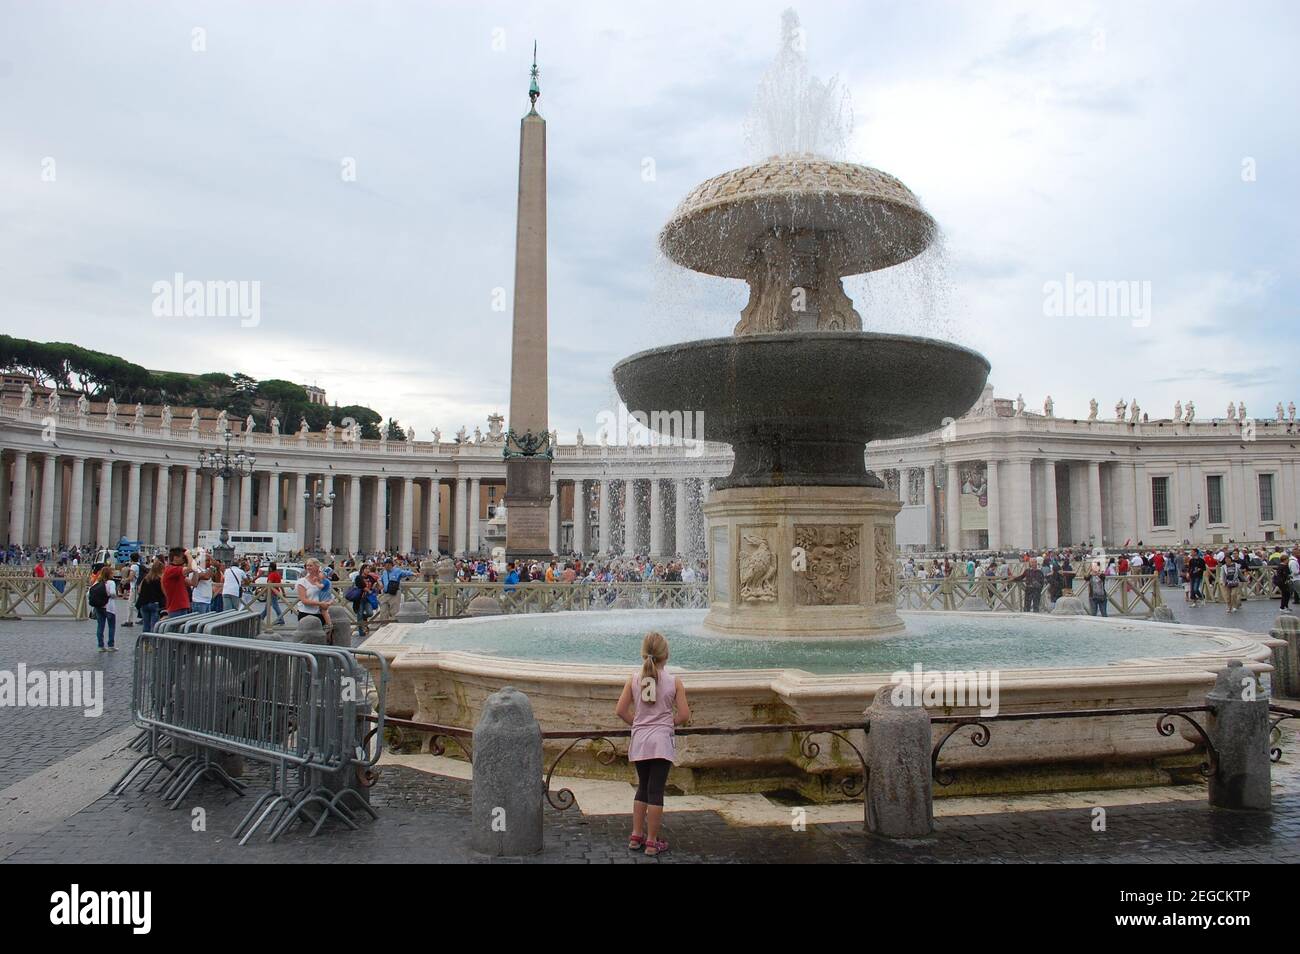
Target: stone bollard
<point>1238,727</point>
<point>412,611</point>
<point>309,630</point>
<point>483,605</point>
<point>1069,605</point>
<point>900,790</point>
<point>342,635</point>
<point>1162,614</point>
<point>506,807</point>
<point>1286,659</point>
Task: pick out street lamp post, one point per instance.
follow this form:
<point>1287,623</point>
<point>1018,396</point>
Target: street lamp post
<point>226,465</point>
<point>318,501</point>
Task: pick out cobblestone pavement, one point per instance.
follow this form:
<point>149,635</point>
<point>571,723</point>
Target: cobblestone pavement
<point>423,819</point>
<point>33,739</point>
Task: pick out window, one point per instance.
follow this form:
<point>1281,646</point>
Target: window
<point>1266,498</point>
<point>1159,501</point>
<point>1214,497</point>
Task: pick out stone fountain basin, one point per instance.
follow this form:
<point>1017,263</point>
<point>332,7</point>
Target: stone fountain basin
<point>450,687</point>
<point>798,408</point>
<point>874,220</point>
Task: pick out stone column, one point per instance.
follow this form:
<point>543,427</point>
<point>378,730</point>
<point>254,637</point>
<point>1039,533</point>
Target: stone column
<point>555,514</point>
<point>679,525</point>
<point>928,500</point>
<point>629,516</point>
<point>458,517</point>
<point>18,502</point>
<point>952,500</point>
<point>408,515</point>
<point>300,511</point>
<point>218,503</point>
<point>45,526</point>
<point>1094,502</point>
<point>104,510</point>
<point>326,514</point>
<point>273,501</point>
<point>995,505</point>
<point>602,488</point>
<point>1128,503</point>
<point>5,498</point>
<point>434,515</point>
<point>161,502</point>
<point>354,514</point>
<point>189,494</point>
<point>76,501</point>
<point>656,519</point>
<point>132,529</point>
<point>378,516</point>
<point>472,544</point>
<point>1020,500</point>
<point>580,516</point>
<point>246,502</point>
<point>261,491</point>
<point>1050,523</point>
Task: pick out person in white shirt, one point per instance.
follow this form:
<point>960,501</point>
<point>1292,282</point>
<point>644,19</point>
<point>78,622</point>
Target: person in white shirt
<point>232,584</point>
<point>201,598</point>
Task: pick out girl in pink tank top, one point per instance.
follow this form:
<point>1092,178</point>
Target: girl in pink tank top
<point>652,703</point>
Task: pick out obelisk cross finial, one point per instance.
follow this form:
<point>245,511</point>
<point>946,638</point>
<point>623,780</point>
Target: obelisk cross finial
<point>533,89</point>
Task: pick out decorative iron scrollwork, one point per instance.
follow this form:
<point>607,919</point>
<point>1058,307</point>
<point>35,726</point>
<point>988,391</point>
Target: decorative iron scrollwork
<point>564,799</point>
<point>1166,727</point>
<point>851,786</point>
<point>979,737</point>
<point>1275,733</point>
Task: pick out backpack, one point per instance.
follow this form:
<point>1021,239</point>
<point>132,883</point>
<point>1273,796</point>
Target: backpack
<point>98,596</point>
<point>1097,587</point>
<point>394,585</point>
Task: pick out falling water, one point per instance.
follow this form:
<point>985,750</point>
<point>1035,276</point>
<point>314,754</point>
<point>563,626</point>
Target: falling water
<point>794,112</point>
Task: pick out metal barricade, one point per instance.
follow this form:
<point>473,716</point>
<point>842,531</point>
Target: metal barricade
<point>299,709</point>
<point>241,622</point>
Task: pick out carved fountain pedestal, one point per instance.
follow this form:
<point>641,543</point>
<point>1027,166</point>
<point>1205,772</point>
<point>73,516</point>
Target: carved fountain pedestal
<point>802,561</point>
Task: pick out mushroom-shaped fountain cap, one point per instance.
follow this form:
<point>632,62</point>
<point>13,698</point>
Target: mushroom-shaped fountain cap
<point>877,221</point>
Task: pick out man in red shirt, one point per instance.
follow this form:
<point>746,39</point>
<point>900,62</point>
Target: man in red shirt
<point>177,580</point>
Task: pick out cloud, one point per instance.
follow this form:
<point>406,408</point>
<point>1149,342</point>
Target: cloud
<point>1101,141</point>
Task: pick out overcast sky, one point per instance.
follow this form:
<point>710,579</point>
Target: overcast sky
<point>1114,142</point>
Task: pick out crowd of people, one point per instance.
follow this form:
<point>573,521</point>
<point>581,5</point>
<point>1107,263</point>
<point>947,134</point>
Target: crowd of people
<point>194,581</point>
<point>1232,566</point>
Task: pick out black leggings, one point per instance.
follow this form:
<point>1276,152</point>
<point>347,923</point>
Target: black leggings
<point>652,776</point>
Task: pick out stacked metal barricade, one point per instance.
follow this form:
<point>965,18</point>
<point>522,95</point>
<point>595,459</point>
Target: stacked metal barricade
<point>311,713</point>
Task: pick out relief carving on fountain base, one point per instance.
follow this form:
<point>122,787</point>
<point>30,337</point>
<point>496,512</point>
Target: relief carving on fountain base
<point>831,558</point>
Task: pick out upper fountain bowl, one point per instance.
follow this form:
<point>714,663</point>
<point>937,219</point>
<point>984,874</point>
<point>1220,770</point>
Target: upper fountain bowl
<point>799,409</point>
<point>877,220</point>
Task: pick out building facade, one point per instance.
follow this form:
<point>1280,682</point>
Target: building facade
<point>87,476</point>
<point>997,478</point>
<point>1001,477</point>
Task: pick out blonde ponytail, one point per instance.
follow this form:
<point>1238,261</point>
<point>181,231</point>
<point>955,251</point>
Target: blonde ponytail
<point>654,653</point>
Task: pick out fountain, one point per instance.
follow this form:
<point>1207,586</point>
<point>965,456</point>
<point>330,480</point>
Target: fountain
<point>802,625</point>
<point>800,535</point>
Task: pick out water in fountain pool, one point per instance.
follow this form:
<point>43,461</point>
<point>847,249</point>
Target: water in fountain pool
<point>934,640</point>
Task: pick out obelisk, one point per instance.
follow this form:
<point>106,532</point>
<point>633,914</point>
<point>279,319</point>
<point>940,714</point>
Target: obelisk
<point>528,450</point>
